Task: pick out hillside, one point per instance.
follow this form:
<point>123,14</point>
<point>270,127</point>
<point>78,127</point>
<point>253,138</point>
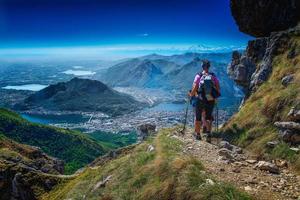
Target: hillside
<point>25,171</point>
<point>80,95</point>
<point>155,169</point>
<point>73,147</point>
<point>269,71</point>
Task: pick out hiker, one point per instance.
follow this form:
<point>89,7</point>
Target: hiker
<point>206,89</point>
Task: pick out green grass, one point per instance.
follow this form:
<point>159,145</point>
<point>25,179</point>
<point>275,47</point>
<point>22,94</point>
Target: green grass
<point>252,127</point>
<point>113,140</point>
<point>164,173</point>
<point>283,151</point>
<point>75,148</point>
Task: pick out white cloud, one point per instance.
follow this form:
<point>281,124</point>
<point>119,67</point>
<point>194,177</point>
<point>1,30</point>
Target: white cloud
<point>144,35</point>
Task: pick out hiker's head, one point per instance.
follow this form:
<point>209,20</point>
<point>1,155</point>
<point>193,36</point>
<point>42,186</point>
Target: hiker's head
<point>205,65</point>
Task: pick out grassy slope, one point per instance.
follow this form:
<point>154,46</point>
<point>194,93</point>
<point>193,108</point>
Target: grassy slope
<point>112,140</point>
<point>165,173</point>
<point>73,147</point>
<point>252,126</point>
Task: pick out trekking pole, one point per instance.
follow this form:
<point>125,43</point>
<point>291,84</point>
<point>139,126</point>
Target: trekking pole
<point>217,120</point>
<point>185,117</point>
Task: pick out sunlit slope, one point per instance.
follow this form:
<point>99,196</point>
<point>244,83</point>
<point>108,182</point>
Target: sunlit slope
<point>164,172</point>
<point>253,126</point>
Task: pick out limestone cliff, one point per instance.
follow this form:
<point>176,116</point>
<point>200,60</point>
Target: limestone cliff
<point>269,73</point>
<point>261,17</point>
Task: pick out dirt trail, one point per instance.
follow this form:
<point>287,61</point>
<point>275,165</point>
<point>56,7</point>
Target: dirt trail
<point>261,184</point>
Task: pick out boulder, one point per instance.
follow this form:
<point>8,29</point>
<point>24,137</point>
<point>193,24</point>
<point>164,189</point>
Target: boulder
<point>288,125</point>
<point>150,148</point>
<point>251,161</point>
<point>145,130</point>
<point>225,144</point>
<point>294,114</point>
<point>102,183</point>
<point>261,17</point>
<point>272,144</point>
<point>289,136</point>
<point>267,166</point>
<point>234,149</point>
<point>226,154</point>
<point>281,163</point>
<point>295,149</point>
<point>285,81</point>
<point>237,150</point>
<point>209,182</point>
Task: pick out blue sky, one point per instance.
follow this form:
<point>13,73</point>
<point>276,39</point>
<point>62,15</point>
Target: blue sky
<point>139,25</point>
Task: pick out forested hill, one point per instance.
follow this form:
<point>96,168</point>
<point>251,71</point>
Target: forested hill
<point>73,147</point>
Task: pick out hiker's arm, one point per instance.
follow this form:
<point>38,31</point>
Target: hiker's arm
<point>195,86</point>
<point>194,90</point>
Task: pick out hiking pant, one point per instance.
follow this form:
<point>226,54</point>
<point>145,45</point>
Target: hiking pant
<point>207,107</point>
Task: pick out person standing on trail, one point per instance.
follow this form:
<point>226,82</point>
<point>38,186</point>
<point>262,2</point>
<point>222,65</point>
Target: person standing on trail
<point>206,90</point>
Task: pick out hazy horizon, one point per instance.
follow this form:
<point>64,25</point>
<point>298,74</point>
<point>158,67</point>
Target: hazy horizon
<point>115,29</point>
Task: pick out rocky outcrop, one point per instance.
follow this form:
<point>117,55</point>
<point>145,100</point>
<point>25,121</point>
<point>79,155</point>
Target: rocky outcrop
<point>253,67</point>
<point>288,125</point>
<point>261,17</point>
<point>145,130</point>
<point>274,23</point>
<point>290,131</point>
<point>229,153</point>
<point>26,172</point>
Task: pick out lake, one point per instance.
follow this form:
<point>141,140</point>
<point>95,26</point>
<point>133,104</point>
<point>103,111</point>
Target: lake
<point>31,87</point>
<point>169,107</point>
<point>55,119</point>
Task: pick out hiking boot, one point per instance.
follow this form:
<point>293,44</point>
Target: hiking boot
<point>198,136</point>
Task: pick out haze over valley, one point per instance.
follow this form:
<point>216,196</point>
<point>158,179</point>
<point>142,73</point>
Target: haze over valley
<point>158,82</point>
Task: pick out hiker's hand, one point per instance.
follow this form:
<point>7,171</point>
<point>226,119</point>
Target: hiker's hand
<point>190,93</point>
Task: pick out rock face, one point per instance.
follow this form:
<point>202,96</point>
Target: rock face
<point>274,22</point>
<point>253,67</point>
<point>261,17</point>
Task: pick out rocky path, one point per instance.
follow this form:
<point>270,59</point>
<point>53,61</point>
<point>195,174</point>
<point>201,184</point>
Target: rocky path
<point>264,180</point>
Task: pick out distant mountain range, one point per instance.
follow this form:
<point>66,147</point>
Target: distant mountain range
<point>80,95</point>
<point>174,72</point>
